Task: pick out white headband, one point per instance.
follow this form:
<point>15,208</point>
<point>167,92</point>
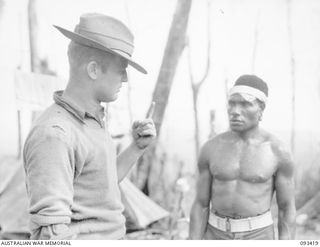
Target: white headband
<point>241,89</point>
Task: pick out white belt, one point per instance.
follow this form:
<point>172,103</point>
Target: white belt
<point>227,224</point>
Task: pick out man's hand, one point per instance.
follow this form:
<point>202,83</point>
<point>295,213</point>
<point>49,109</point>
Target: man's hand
<point>144,132</point>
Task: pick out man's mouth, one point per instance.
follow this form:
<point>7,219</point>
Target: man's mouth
<point>235,121</point>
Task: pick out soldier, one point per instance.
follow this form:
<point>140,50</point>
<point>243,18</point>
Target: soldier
<point>72,172</point>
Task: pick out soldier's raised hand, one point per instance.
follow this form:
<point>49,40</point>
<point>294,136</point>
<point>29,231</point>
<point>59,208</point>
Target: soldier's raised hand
<point>144,132</point>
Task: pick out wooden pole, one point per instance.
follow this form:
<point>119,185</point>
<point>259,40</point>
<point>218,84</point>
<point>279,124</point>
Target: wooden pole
<point>196,85</point>
<point>175,44</point>
<point>293,77</point>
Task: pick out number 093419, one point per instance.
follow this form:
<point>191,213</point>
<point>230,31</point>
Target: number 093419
<point>308,242</point>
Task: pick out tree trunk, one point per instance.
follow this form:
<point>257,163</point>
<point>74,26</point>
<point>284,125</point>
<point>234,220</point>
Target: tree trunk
<point>293,80</point>
<point>212,123</point>
<point>195,93</point>
<point>255,43</point>
<point>173,50</point>
<point>37,64</point>
<point>35,61</point>
<point>196,85</point>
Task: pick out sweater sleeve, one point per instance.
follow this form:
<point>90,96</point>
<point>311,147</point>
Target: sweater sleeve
<point>49,167</point>
<point>54,232</point>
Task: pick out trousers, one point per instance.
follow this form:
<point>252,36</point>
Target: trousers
<point>265,233</point>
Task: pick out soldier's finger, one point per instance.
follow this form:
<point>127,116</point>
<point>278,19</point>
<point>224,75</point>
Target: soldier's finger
<point>136,124</point>
<point>146,122</point>
<point>147,133</point>
<point>151,110</point>
<point>147,126</point>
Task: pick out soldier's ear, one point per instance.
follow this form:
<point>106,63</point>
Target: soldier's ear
<point>92,70</point>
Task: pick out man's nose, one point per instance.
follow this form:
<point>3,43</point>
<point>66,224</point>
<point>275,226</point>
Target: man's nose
<point>124,76</point>
<point>235,110</point>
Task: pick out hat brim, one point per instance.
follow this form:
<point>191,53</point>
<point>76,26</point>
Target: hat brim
<point>78,38</point>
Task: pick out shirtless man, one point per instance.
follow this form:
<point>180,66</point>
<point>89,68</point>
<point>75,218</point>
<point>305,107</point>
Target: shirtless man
<point>239,172</point>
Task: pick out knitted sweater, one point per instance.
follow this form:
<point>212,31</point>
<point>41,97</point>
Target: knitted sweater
<point>71,174</point>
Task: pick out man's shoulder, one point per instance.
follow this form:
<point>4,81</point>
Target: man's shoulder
<point>53,115</point>
<point>219,139</point>
<point>277,144</point>
<point>266,136</point>
<point>223,137</point>
<point>279,148</point>
<point>52,122</point>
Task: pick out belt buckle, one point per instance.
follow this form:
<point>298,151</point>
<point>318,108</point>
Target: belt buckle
<point>249,223</point>
<point>228,225</point>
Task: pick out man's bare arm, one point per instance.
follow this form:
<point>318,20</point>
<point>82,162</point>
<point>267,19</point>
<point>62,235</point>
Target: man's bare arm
<point>284,185</point>
<point>200,209</point>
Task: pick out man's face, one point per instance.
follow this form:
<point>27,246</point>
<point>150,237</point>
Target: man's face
<point>244,114</point>
<point>110,79</point>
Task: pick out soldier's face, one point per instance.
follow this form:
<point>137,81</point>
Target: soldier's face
<point>244,114</point>
<point>110,81</point>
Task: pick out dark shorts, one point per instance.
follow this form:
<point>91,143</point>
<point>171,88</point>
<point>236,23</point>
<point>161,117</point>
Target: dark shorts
<point>265,233</point>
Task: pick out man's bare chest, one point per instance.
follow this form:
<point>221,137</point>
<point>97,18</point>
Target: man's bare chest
<point>251,163</point>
